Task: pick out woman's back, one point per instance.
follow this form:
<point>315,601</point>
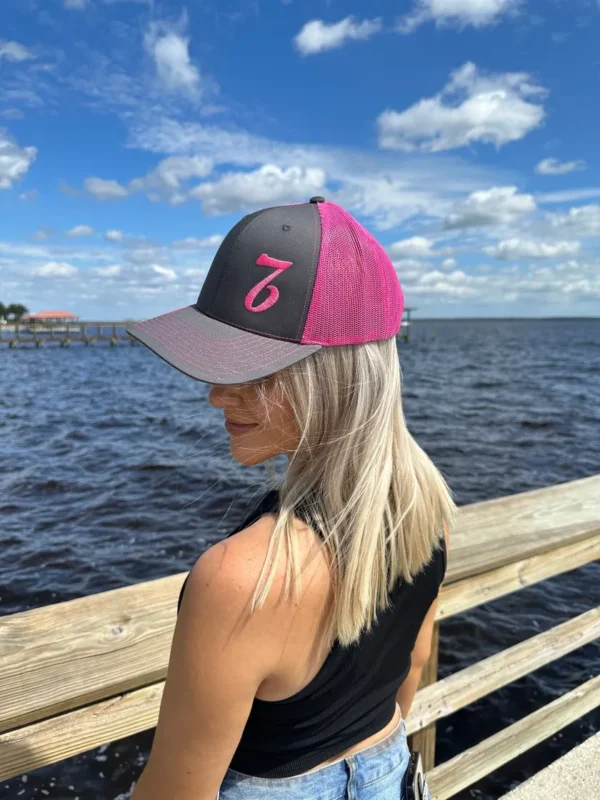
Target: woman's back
<point>322,700</point>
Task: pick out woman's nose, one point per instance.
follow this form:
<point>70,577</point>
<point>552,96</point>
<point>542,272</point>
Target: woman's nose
<point>219,396</point>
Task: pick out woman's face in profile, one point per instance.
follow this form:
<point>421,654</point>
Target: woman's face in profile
<point>267,437</point>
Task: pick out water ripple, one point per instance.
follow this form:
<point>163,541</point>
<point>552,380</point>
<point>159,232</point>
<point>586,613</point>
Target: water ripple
<point>116,470</point>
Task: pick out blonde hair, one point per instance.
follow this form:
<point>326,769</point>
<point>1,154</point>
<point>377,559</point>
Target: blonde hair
<point>378,500</point>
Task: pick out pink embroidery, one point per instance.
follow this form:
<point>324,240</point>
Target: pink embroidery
<point>266,261</point>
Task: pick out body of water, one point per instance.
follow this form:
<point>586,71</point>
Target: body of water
<point>115,469</point>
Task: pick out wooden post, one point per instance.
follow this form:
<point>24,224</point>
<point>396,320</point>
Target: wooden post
<point>424,740</point>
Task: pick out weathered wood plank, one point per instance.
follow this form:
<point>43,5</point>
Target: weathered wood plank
<point>53,740</point>
<point>497,532</point>
<point>63,656</point>
<point>471,592</point>
<point>468,767</point>
<point>468,685</point>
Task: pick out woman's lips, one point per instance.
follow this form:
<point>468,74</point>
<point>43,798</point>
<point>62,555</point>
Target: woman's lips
<point>233,427</point>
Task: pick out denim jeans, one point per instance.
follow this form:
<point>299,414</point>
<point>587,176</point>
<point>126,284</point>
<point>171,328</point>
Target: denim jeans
<point>375,773</point>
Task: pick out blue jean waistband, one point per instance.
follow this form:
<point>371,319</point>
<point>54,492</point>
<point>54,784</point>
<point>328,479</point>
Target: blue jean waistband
<point>368,765</point>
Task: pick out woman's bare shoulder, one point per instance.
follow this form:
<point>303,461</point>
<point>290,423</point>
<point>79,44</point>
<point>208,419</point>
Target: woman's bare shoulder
<point>242,555</point>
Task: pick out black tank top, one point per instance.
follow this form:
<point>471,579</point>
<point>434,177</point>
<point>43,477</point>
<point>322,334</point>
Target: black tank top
<point>353,696</point>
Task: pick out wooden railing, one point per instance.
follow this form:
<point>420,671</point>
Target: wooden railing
<point>80,674</point>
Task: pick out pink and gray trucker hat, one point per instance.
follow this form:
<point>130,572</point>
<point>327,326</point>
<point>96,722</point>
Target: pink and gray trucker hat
<point>284,282</point>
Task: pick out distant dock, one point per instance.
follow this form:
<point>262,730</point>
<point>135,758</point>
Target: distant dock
<point>404,332</point>
<point>63,334</point>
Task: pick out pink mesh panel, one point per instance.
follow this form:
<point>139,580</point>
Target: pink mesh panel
<point>357,296</point>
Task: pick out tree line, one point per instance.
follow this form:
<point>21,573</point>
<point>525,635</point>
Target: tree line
<point>13,312</point>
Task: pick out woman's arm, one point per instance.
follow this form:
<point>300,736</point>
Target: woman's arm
<point>420,653</point>
<point>419,657</point>
<point>219,657</point>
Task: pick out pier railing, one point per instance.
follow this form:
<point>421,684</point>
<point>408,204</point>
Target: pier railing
<point>17,334</point>
<point>20,334</point>
<point>83,673</point>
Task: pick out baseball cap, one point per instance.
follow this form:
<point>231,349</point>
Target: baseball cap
<point>285,282</point>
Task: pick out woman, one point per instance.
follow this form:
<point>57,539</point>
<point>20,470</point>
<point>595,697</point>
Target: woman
<point>301,637</point>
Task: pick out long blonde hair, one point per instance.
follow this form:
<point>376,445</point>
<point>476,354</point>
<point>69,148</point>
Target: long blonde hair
<point>378,500</point>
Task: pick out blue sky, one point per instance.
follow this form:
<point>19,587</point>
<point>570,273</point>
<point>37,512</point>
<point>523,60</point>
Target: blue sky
<point>463,133</point>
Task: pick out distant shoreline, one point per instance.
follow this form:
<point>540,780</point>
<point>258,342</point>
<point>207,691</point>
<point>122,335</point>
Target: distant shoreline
<point>123,323</point>
<point>508,319</point>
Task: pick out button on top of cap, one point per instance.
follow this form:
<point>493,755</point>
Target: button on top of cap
<point>317,199</point>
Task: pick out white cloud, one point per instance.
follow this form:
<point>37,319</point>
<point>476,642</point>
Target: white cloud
<point>551,166</point>
<point>379,185</point>
<point>192,243</point>
<point>164,272</point>
<point>521,248</point>
<point>448,263</point>
<point>147,254</point>
<point>13,51</point>
<point>197,272</point>
<point>460,13</point>
<point>104,190</point>
<point>32,194</point>
<point>14,160</point>
<point>390,199</point>
<point>56,269</point>
<point>43,233</point>
<point>108,272</point>
<point>383,186</point>
<point>169,49</point>
<point>267,185</point>
<point>317,35</point>
<point>453,284</point>
<point>568,195</point>
<point>579,221</point>
<point>472,107</point>
<point>500,205</point>
<point>410,268</point>
<point>415,247</point>
<point>113,236</point>
<point>540,287</point>
<point>11,113</point>
<point>164,182</point>
<point>81,230</point>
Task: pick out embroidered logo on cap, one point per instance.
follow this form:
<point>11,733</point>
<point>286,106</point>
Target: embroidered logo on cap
<point>266,261</point>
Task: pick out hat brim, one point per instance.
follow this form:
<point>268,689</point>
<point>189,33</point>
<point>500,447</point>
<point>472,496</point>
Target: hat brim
<point>212,351</point>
